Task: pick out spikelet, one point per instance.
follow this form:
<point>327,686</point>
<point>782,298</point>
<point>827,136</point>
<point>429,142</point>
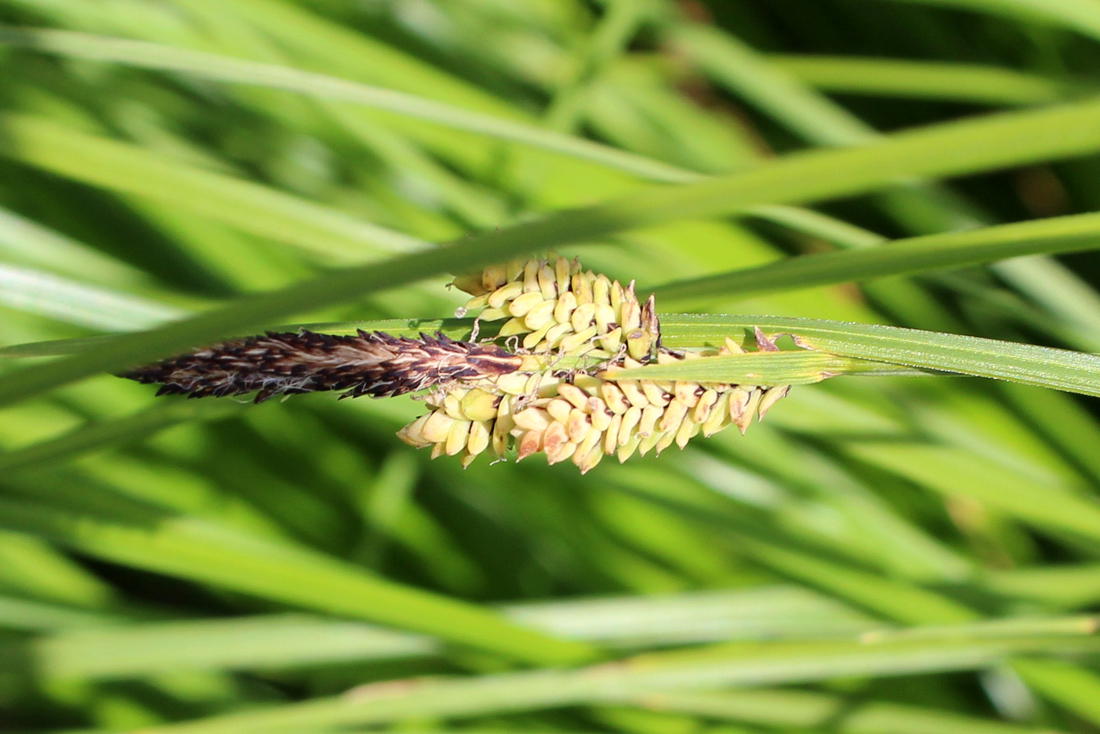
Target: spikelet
<point>552,304</point>
<point>583,418</point>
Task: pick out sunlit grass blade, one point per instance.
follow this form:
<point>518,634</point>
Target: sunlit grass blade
<point>227,69</point>
<point>69,301</point>
<point>35,616</point>
<point>919,207</point>
<point>1074,688</point>
<point>1063,586</point>
<point>106,648</point>
<point>901,257</point>
<point>30,243</point>
<point>726,666</point>
<point>261,210</point>
<point>955,473</point>
<point>1027,364</point>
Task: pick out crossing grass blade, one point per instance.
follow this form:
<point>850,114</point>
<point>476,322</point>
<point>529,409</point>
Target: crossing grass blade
<point>901,257</point>
<point>966,355</point>
<point>1078,15</point>
<point>727,666</point>
<point>91,647</point>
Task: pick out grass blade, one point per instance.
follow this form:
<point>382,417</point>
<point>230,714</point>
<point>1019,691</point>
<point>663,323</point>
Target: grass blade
<point>62,299</point>
<point>110,649</point>
<point>971,84</point>
<point>727,666</point>
<point>1027,364</point>
<point>901,257</point>
<point>254,208</point>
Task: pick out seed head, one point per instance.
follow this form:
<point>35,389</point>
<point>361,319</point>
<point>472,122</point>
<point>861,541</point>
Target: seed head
<point>485,397</point>
<point>369,363</point>
<point>583,417</point>
<point>554,305</point>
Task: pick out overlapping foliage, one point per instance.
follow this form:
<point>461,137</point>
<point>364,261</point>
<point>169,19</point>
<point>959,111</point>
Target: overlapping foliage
<point>884,553</point>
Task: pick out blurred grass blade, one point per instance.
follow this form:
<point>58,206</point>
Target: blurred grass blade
<point>954,148</point>
<point>971,84</point>
<point>227,69</point>
<point>61,299</point>
<point>260,210</point>
<point>816,711</point>
<point>956,473</point>
<point>725,666</point>
<point>1063,586</point>
<point>901,257</point>
<point>734,64</point>
<point>110,433</point>
<point>1074,688</point>
<point>191,548</point>
<point>113,650</point>
<point>1027,364</point>
<point>34,616</point>
<point>28,242</point>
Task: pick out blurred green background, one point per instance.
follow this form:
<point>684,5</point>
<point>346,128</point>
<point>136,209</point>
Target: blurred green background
<point>881,555</point>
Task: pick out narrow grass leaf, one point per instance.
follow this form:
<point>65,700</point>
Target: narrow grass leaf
<point>901,257</point>
<point>727,666</point>
<point>29,242</point>
<point>957,473</point>
<point>1072,687</point>
<point>254,208</point>
<point>454,328</point>
<point>1079,15</point>
<point>1027,364</point>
